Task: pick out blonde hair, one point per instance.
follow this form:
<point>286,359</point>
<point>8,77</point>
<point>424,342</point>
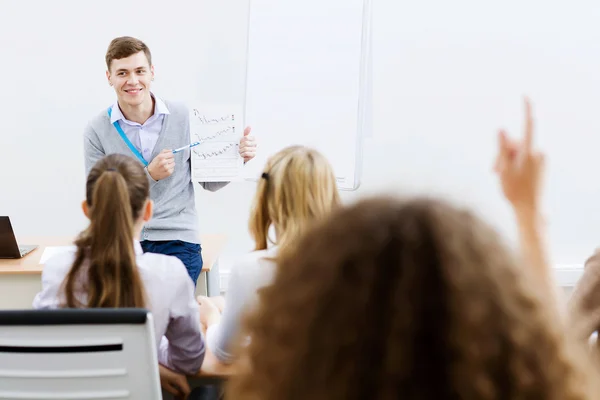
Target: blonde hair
<point>297,187</point>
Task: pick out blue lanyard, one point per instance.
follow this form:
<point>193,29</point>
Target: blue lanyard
<point>126,140</point>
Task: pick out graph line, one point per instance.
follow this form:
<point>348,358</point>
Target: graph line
<point>206,120</point>
<point>216,134</point>
<point>214,153</point>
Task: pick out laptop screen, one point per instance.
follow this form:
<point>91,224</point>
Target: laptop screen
<point>8,243</point>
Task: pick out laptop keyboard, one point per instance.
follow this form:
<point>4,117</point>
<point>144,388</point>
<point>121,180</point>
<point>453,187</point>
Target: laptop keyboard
<point>26,249</point>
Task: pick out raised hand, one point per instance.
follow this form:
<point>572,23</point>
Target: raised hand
<point>520,168</point>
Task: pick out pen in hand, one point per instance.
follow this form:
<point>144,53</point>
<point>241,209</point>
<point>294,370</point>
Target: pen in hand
<point>185,147</point>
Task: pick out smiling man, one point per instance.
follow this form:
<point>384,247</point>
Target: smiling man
<point>142,125</point>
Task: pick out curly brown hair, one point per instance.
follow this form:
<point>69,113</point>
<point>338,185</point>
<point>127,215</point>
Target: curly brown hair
<point>412,299</point>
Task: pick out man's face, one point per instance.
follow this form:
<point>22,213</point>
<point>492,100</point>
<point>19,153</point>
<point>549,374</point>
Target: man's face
<point>131,78</point>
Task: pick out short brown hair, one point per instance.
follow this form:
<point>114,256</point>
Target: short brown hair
<point>415,299</point>
<point>126,46</point>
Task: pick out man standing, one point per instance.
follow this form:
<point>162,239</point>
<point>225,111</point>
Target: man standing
<point>141,125</point>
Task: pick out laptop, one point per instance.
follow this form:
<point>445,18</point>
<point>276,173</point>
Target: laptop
<point>9,248</point>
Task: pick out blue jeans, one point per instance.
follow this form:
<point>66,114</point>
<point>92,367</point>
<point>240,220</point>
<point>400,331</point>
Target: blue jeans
<point>188,253</point>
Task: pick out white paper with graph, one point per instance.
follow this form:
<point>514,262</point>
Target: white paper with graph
<point>219,130</point>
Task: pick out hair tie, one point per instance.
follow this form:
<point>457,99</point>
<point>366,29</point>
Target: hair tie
<point>265,176</point>
<point>111,169</point>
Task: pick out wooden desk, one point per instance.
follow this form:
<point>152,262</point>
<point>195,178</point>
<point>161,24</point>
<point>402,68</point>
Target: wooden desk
<point>20,278</point>
<point>30,264</point>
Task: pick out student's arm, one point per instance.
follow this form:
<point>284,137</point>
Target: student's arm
<point>223,329</point>
<point>183,350</point>
<point>584,303</point>
<point>521,169</point>
<point>532,243</point>
<point>92,148</point>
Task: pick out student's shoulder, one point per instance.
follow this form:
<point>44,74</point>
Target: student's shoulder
<point>165,277</point>
<point>254,263</point>
<point>58,265</point>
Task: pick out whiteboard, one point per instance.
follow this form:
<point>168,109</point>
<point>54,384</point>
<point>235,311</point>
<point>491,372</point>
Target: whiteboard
<point>307,81</point>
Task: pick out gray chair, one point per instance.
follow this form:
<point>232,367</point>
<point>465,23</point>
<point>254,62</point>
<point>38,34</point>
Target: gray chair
<point>78,354</point>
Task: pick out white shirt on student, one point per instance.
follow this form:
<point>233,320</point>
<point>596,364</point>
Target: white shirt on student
<point>252,272</point>
<point>170,293</point>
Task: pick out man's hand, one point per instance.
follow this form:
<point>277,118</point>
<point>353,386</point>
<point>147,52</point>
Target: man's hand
<point>247,145</point>
<point>174,383</point>
<point>162,166</point>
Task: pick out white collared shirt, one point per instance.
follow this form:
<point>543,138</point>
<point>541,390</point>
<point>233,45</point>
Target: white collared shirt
<point>170,293</point>
<point>142,136</point>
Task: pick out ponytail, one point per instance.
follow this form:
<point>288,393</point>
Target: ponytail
<point>113,279</point>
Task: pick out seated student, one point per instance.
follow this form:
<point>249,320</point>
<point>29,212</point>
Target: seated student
<point>297,188</point>
<point>414,299</point>
<point>109,269</point>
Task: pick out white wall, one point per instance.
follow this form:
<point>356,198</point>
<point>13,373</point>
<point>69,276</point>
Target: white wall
<point>446,75</point>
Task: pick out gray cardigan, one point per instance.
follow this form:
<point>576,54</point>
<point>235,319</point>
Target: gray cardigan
<point>175,215</point>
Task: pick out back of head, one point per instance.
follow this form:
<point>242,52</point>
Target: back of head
<point>125,46</point>
<point>404,299</point>
<point>297,188</point>
<point>117,190</point>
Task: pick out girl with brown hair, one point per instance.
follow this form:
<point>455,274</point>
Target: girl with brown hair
<point>108,268</point>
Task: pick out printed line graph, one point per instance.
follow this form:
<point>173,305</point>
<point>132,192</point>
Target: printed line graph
<point>218,129</point>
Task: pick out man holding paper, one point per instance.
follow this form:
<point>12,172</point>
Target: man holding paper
<point>157,133</point>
